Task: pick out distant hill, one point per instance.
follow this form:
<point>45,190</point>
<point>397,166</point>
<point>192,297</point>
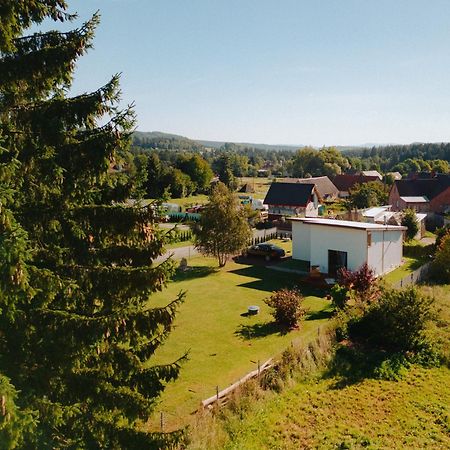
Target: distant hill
<point>165,141</point>
<point>156,135</point>
<point>159,139</point>
<point>152,139</point>
<point>218,144</point>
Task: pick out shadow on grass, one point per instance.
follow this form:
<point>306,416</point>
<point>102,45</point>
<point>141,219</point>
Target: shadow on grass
<point>259,330</point>
<point>266,280</point>
<point>193,272</point>
<point>319,315</point>
<point>352,365</point>
<point>269,280</point>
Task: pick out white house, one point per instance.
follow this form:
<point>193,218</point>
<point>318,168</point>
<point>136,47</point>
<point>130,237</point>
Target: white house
<point>384,215</point>
<point>331,244</point>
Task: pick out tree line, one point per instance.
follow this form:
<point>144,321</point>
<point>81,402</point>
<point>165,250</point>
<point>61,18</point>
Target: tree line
<point>186,167</point>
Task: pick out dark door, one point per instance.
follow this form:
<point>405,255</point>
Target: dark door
<point>336,260</point>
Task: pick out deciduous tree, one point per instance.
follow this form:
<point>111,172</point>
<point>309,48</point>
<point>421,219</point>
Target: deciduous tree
<point>223,229</point>
<point>409,220</point>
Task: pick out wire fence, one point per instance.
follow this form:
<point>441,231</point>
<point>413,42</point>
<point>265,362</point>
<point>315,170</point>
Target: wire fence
<point>415,277</point>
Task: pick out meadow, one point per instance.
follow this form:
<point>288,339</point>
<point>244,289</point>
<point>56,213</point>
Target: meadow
<point>224,343</point>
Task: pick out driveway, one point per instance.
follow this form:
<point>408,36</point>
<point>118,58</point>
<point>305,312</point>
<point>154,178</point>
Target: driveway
<point>178,253</point>
<point>189,250</point>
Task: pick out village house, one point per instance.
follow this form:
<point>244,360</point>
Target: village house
<point>325,187</point>
<point>329,245</point>
<point>384,216</point>
<point>346,182</point>
<point>292,199</point>
<point>372,173</point>
<point>425,195</point>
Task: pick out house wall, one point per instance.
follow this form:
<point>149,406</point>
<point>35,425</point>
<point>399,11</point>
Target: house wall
<point>418,207</point>
<point>394,198</point>
<point>385,252</point>
<point>312,242</point>
<point>301,241</point>
<point>311,210</point>
<point>441,202</point>
<point>350,240</point>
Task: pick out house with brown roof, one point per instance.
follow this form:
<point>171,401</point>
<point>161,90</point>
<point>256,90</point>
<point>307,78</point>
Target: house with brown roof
<point>427,195</point>
<point>372,173</point>
<point>292,199</point>
<point>325,187</point>
<point>346,182</point>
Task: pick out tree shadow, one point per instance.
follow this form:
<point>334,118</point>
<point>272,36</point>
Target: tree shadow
<point>319,315</point>
<point>192,272</point>
<point>352,365</point>
<point>259,330</point>
<point>266,280</point>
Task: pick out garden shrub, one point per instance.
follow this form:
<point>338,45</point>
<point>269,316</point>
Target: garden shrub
<point>361,280</point>
<point>396,322</point>
<point>339,296</point>
<point>393,368</point>
<point>287,307</point>
<point>441,264</point>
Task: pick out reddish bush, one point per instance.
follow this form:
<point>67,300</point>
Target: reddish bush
<point>287,305</point>
<point>361,280</point>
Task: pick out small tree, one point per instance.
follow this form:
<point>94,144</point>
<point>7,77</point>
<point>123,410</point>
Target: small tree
<point>223,229</point>
<point>367,194</point>
<point>440,234</point>
<point>287,305</point>
<point>441,264</point>
<point>361,280</point>
<point>396,322</point>
<point>339,296</point>
<point>409,220</point>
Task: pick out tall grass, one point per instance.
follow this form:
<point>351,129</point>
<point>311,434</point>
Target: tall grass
<point>214,428</point>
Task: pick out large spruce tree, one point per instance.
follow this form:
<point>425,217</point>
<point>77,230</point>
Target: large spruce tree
<point>77,329</point>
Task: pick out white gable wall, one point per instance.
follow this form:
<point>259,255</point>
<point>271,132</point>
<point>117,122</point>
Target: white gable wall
<point>385,253</point>
<point>301,241</point>
<point>311,243</point>
<point>352,241</point>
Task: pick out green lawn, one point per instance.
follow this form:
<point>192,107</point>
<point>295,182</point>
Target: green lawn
<point>223,344</point>
<point>409,265</point>
<point>415,254</point>
<point>178,244</point>
<point>260,185</point>
<point>186,202</point>
<point>325,413</point>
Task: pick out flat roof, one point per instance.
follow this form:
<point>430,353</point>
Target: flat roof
<point>375,211</point>
<point>413,199</point>
<point>347,224</point>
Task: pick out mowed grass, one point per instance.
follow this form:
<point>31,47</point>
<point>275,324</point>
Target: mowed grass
<point>260,185</point>
<point>223,344</point>
<point>333,413</point>
<point>409,265</point>
<point>415,254</point>
<point>186,202</point>
<point>409,414</point>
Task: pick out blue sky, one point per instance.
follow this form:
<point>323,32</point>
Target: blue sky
<point>317,72</point>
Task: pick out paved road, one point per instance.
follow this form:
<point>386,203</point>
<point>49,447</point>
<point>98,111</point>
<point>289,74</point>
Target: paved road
<point>178,253</point>
<point>190,251</point>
